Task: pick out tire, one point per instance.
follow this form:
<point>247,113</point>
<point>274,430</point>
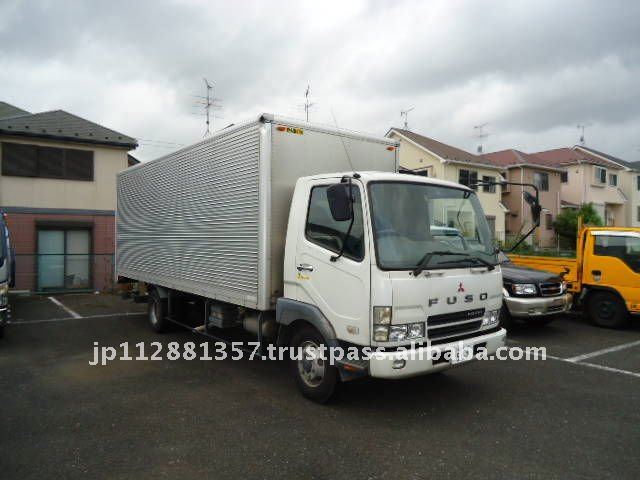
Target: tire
<point>506,320</point>
<point>605,309</point>
<point>157,312</point>
<point>316,379</point>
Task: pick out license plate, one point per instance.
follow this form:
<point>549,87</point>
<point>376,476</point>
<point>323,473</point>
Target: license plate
<point>458,355</point>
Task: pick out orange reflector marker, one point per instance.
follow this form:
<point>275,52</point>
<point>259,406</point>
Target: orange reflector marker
<point>280,128</point>
<point>391,149</point>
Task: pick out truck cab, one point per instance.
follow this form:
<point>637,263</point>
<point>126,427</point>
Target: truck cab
<point>412,267</point>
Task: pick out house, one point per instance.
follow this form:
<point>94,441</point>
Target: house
<point>590,179</point>
<point>58,188</point>
<point>519,167</point>
<point>629,183</point>
<point>428,157</point>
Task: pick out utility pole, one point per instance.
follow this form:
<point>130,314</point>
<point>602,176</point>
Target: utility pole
<point>480,135</point>
<point>405,114</point>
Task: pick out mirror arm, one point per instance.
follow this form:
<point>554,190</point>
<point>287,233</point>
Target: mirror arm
<point>346,236</point>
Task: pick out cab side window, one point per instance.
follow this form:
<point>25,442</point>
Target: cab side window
<point>324,231</point>
<point>626,249</point>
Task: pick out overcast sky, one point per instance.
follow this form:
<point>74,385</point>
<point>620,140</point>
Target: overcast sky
<point>532,70</point>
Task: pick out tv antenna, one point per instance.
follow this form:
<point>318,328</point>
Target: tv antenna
<point>581,128</point>
<point>307,103</point>
<point>209,103</point>
<point>480,134</point>
<point>405,114</point>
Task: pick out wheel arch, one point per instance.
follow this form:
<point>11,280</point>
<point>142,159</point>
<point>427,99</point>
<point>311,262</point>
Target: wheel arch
<point>591,290</point>
<point>292,314</point>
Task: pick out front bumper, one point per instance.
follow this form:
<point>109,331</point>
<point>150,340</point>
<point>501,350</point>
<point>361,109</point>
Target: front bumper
<point>538,306</point>
<point>418,361</point>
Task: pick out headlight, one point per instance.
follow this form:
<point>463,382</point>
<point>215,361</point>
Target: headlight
<point>380,333</point>
<point>381,315</point>
<point>523,289</point>
<point>491,317</point>
<point>563,287</point>
<point>411,331</point>
<point>4,294</point>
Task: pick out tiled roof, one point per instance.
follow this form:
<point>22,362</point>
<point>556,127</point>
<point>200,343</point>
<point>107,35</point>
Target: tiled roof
<point>619,161</point>
<point>506,158</point>
<point>442,150</point>
<point>61,125</point>
<point>569,156</point>
<point>8,110</point>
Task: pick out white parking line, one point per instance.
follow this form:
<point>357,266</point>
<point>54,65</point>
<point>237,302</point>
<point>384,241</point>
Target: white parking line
<point>604,351</point>
<point>65,319</point>
<point>64,307</point>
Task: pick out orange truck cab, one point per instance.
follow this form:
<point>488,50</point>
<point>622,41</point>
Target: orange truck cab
<point>604,276</point>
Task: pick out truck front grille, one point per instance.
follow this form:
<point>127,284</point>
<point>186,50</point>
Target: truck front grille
<point>452,325</point>
<point>550,289</point>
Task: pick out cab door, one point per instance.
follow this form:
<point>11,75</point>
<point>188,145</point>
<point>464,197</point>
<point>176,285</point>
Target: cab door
<point>340,288</point>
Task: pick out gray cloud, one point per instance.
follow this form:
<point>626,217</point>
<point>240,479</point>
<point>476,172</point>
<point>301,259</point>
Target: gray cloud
<point>532,70</point>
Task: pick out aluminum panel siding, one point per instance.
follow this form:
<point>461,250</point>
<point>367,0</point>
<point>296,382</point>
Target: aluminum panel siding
<point>191,220</point>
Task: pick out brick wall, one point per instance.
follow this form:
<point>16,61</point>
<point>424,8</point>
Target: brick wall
<point>24,236</point>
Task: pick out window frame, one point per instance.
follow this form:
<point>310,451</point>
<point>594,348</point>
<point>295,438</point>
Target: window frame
<point>613,179</point>
<point>488,188</point>
<point>564,177</point>
<point>542,186</point>
<point>599,171</point>
<point>635,269</point>
<point>312,241</point>
<point>470,183</point>
<point>40,159</point>
<point>548,221</point>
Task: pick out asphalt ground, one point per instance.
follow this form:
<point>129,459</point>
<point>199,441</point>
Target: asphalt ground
<point>566,417</point>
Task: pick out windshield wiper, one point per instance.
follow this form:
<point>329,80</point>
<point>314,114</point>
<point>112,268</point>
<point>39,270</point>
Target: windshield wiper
<point>424,261</point>
<point>490,266</point>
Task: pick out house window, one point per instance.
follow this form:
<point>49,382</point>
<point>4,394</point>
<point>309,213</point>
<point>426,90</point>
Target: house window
<point>63,259</point>
<point>638,182</point>
<point>564,177</point>
<point>328,233</point>
<point>541,180</point>
<point>613,179</point>
<point>468,178</point>
<point>21,160</point>
<point>488,188</point>
<point>549,221</point>
<point>601,175</point>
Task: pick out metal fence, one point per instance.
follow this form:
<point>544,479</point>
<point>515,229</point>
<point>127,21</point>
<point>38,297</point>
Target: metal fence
<point>44,273</point>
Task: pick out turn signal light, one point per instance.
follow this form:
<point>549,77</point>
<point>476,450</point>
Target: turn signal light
<point>280,128</point>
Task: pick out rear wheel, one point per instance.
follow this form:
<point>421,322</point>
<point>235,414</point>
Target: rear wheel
<point>605,309</point>
<point>314,376</point>
<point>157,312</point>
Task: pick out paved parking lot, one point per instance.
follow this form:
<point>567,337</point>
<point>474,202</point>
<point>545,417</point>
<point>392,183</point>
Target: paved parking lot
<point>575,415</point>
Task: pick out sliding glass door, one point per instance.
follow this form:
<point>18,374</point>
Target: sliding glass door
<point>63,259</point>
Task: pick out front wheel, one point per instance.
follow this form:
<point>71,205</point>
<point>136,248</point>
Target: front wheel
<point>607,310</point>
<point>314,376</point>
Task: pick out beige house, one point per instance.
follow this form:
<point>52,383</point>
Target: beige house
<point>425,156</point>
<point>628,182</point>
<point>591,179</point>
<point>520,167</point>
<point>58,189</point>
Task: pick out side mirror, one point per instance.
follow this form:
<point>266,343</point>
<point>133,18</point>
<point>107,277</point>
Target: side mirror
<point>339,198</point>
<point>536,209</point>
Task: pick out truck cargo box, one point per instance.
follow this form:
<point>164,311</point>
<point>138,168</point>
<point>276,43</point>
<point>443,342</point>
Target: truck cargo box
<point>211,218</point>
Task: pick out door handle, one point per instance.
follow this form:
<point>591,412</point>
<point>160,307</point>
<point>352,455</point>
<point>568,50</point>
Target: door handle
<point>305,266</point>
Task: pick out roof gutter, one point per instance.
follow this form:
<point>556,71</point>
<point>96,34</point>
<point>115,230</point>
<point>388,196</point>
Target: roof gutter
<point>129,146</point>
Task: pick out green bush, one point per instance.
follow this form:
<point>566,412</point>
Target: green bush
<point>566,224</point>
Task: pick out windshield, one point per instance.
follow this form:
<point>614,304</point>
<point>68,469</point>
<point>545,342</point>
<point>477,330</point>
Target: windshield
<point>410,220</point>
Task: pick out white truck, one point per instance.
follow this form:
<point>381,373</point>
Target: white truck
<point>251,225</point>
